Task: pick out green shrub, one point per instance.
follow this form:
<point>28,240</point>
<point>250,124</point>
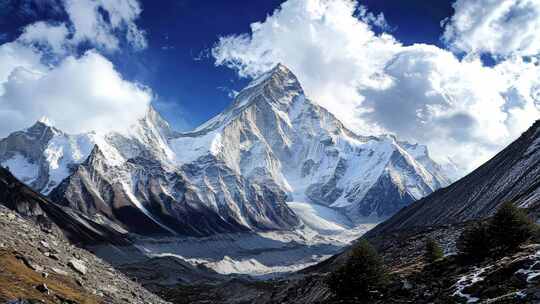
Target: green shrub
<point>363,273</point>
<point>433,252</point>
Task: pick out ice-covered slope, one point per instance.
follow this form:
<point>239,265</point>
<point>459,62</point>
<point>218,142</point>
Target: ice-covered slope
<point>512,175</point>
<point>234,173</point>
<point>321,219</point>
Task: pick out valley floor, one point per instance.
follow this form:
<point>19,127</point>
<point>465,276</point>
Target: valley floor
<point>263,255</point>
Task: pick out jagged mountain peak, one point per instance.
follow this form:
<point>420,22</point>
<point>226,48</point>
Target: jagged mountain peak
<point>279,75</point>
<point>40,128</point>
<point>277,87</point>
<point>154,119</point>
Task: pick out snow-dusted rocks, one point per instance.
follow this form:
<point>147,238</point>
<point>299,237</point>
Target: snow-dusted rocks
<point>234,173</point>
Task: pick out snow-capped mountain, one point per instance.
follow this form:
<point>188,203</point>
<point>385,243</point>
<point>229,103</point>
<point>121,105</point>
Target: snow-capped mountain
<point>273,135</point>
<point>234,173</point>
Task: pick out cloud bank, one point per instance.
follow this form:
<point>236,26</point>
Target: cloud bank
<point>79,95</point>
<point>459,107</point>
<point>42,74</point>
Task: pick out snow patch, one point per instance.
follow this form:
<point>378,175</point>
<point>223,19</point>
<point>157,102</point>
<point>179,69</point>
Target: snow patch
<point>533,271</point>
<point>63,152</point>
<point>189,149</point>
<point>469,280</point>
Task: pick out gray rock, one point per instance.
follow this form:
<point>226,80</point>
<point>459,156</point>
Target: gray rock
<point>30,263</point>
<point>78,266</point>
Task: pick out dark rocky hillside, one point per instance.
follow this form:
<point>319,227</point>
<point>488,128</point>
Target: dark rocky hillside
<point>76,227</point>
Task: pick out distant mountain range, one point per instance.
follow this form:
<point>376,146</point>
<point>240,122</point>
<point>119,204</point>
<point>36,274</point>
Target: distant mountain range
<point>513,175</point>
<point>234,173</point>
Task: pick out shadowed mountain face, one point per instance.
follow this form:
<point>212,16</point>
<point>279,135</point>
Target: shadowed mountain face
<point>76,227</point>
<point>234,173</point>
<point>512,175</point>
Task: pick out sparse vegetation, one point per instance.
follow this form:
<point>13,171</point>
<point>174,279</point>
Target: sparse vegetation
<point>502,234</point>
<point>17,281</point>
<point>363,274</point>
<point>434,251</point>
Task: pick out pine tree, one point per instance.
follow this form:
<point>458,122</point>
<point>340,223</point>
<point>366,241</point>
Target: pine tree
<point>363,272</point>
<point>433,252</point>
<point>509,228</point>
<point>474,243</point>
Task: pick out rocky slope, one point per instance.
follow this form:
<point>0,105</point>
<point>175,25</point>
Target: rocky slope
<point>512,175</point>
<point>234,173</point>
<point>42,266</point>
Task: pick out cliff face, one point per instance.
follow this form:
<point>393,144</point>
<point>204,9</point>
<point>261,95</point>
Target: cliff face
<point>75,226</point>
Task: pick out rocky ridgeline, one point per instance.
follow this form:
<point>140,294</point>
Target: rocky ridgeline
<point>41,267</point>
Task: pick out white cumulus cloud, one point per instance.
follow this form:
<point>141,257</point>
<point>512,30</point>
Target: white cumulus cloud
<point>89,23</point>
<point>47,35</point>
<point>458,107</point>
<point>500,28</point>
<point>102,23</point>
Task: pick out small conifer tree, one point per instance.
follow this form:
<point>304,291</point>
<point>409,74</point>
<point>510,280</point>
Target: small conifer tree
<point>433,252</point>
<point>509,228</point>
<point>474,243</point>
<point>502,234</point>
<point>363,272</point>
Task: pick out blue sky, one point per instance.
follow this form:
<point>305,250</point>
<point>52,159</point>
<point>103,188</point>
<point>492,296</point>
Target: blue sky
<point>465,87</point>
